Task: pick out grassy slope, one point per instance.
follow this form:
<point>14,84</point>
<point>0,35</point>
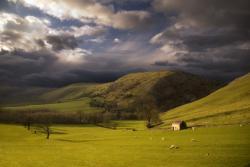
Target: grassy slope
<point>169,89</point>
<point>13,96</point>
<point>70,98</point>
<point>66,106</point>
<point>91,146</point>
<point>230,104</point>
<point>75,92</point>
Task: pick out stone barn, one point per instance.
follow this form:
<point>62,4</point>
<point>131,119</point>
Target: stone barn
<point>178,125</point>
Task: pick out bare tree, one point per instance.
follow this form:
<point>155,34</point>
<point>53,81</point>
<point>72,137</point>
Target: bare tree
<point>80,116</point>
<point>146,105</point>
<point>46,125</point>
<point>28,120</point>
<point>47,130</point>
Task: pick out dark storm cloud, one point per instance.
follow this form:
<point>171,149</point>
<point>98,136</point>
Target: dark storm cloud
<point>15,65</point>
<point>62,42</point>
<point>210,36</point>
<point>239,63</point>
<point>42,69</point>
<point>40,43</point>
<point>230,63</point>
<point>164,63</point>
<point>208,12</point>
<point>201,42</point>
<point>74,76</point>
<point>202,36</point>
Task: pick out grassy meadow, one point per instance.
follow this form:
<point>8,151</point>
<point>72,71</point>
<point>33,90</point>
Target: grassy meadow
<point>66,106</point>
<point>91,146</point>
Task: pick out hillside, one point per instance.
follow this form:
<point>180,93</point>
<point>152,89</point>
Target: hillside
<point>75,92</point>
<point>14,96</point>
<point>166,89</point>
<point>228,105</point>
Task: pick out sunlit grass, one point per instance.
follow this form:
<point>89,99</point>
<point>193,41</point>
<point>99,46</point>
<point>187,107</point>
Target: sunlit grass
<point>91,146</point>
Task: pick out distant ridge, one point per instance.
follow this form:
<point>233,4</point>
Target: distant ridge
<point>167,90</point>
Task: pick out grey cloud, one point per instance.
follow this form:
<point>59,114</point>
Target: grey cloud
<point>217,22</point>
<point>208,12</point>
<point>62,42</point>
<point>131,19</point>
<point>16,64</point>
<point>73,76</point>
<point>42,69</point>
<point>9,35</point>
<point>164,63</point>
<point>4,4</point>
<point>91,11</point>
<point>225,64</point>
<point>201,39</point>
<point>206,35</point>
<point>232,61</point>
<point>41,43</point>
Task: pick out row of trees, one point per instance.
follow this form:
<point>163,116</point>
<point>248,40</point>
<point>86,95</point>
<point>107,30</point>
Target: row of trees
<point>48,116</point>
<point>143,109</point>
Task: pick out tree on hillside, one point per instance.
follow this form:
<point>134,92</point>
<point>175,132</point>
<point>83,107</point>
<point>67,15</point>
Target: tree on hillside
<point>47,130</point>
<point>146,105</point>
<point>44,128</point>
<point>110,106</point>
<point>80,116</point>
<point>27,119</point>
<point>46,123</point>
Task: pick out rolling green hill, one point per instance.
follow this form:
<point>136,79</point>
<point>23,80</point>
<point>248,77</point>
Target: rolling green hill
<point>14,96</point>
<point>81,105</point>
<point>167,90</point>
<point>75,92</point>
<point>228,105</point>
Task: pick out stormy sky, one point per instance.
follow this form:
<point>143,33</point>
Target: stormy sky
<point>58,42</point>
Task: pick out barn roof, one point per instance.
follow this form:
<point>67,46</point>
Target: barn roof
<point>177,122</point>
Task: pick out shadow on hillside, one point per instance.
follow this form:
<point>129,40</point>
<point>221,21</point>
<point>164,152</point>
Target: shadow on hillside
<point>180,88</point>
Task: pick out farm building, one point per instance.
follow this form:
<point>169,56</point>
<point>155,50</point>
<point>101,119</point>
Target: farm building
<point>178,125</point>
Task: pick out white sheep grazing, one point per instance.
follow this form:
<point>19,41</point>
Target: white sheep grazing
<point>173,147</point>
<point>163,138</point>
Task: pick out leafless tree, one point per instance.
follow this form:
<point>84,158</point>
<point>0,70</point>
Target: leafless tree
<point>47,130</point>
<point>146,105</point>
<point>80,116</point>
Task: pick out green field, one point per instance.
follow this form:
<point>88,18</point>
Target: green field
<point>130,144</point>
<point>228,105</point>
<point>66,106</point>
<point>91,146</point>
